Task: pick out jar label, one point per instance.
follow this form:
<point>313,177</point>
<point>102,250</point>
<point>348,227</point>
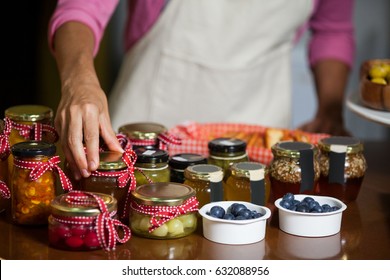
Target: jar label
<point>336,167</point>
<point>216,191</point>
<point>258,192</point>
<point>307,166</point>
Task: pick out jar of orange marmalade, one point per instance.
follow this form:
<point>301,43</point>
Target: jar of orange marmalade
<point>343,167</point>
<point>32,185</point>
<point>143,134</point>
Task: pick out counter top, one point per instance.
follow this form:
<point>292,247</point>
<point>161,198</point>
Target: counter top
<point>365,233</point>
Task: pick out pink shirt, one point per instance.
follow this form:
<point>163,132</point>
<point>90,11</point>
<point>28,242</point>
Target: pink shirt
<point>331,24</point>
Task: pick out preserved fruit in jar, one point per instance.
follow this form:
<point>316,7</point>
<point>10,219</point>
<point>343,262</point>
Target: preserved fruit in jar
<point>179,162</point>
<point>207,181</point>
<point>247,183</point>
<point>143,135</point>
<point>151,166</point>
<point>163,210</point>
<point>4,152</point>
<point>294,169</point>
<point>83,221</point>
<point>343,167</point>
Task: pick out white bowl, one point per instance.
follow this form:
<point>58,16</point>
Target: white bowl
<point>311,224</point>
<point>234,231</point>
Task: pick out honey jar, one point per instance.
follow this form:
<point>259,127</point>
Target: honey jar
<point>294,169</point>
<point>179,162</point>
<point>247,183</point>
<point>163,210</point>
<point>343,167</point>
<point>84,221</point>
<point>143,134</point>
<point>207,181</point>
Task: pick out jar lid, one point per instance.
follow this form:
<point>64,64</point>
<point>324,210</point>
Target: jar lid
<point>182,161</point>
<point>204,172</point>
<point>226,145</point>
<point>33,148</point>
<point>248,169</point>
<point>291,149</point>
<point>151,155</point>
<point>162,193</point>
<point>143,130</point>
<point>341,144</point>
<point>61,206</point>
<point>110,160</point>
<point>30,113</point>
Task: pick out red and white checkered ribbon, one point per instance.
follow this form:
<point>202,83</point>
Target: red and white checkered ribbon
<point>106,225</point>
<point>4,139</point>
<point>162,214</point>
<point>123,141</point>
<point>39,167</point>
<point>35,131</point>
<point>4,191</point>
<point>163,140</point>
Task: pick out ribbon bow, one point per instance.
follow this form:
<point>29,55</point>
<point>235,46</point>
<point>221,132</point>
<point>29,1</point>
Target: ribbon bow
<point>163,140</point>
<point>35,131</point>
<point>4,139</point>
<point>4,191</point>
<point>39,167</point>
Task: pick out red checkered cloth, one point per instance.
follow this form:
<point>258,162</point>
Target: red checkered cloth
<point>196,136</point>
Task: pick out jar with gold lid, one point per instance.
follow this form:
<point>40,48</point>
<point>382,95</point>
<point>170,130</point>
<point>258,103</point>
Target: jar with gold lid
<point>84,221</point>
<point>179,162</point>
<point>294,168</point>
<point>343,166</point>
<point>247,183</point>
<point>143,134</point>
<point>163,210</point>
<point>207,181</point>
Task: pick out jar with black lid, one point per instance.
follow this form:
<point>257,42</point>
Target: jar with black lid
<point>179,162</point>
<point>143,134</point>
<point>343,167</point>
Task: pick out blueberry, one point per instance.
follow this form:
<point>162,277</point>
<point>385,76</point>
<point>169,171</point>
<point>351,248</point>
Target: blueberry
<point>316,209</point>
<point>246,213</point>
<point>217,212</point>
<point>335,208</point>
<point>288,197</point>
<point>285,204</point>
<point>308,199</point>
<point>296,202</point>
<point>236,207</point>
<point>228,216</point>
<point>240,218</point>
<point>256,214</point>
<point>302,208</point>
<point>326,208</point>
<point>313,204</point>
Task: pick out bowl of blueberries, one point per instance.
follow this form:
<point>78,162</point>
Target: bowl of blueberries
<point>234,222</point>
<point>310,215</point>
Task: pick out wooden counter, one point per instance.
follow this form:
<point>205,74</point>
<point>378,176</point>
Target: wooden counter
<point>365,233</point>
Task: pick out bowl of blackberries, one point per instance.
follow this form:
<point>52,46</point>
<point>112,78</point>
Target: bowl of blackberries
<point>310,215</point>
<point>234,222</point>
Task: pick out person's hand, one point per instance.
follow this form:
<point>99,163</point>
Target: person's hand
<point>82,117</point>
<point>332,124</point>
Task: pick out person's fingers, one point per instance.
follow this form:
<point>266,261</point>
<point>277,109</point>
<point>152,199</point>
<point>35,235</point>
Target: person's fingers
<point>109,136</point>
<point>91,136</point>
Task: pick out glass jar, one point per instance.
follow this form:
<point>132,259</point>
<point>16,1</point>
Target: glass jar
<point>294,168</point>
<point>4,152</point>
<point>151,166</point>
<point>343,167</point>
<point>206,180</point>
<point>163,210</point>
<point>31,196</point>
<point>81,221</point>
<point>143,134</point>
<point>179,162</point>
<point>223,152</point>
<point>247,183</point>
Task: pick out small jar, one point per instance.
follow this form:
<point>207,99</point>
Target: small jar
<point>163,210</point>
<point>151,166</point>
<point>206,180</point>
<point>80,221</point>
<point>223,152</point>
<point>294,169</point>
<point>343,167</point>
<point>31,196</point>
<point>143,134</point>
<point>179,162</point>
<point>247,183</point>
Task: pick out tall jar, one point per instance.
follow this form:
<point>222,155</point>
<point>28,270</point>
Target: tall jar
<point>294,169</point>
<point>151,166</point>
<point>32,187</point>
<point>343,167</point>
<point>85,221</point>
<point>163,210</point>
<point>4,153</point>
<point>247,183</point>
<point>143,134</point>
<point>207,181</point>
<point>179,162</point>
<point>223,152</point>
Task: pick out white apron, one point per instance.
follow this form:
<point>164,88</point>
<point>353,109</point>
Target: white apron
<point>212,61</point>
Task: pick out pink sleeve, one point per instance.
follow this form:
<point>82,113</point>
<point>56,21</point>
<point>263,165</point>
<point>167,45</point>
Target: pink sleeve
<point>93,13</point>
<point>332,32</point>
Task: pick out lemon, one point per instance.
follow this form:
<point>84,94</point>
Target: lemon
<point>378,71</point>
<point>381,81</point>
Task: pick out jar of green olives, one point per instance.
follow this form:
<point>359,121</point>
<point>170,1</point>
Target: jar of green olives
<point>163,210</point>
<point>179,162</point>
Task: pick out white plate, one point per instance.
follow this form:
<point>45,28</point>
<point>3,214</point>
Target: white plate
<point>355,105</point>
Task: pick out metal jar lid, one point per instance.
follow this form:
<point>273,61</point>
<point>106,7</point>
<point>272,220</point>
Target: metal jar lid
<point>151,155</point>
<point>29,113</point>
<point>227,146</point>
<point>142,130</point>
<point>33,148</point>
<point>292,149</point>
<point>162,193</point>
<point>346,144</point>
<point>204,172</point>
<point>110,160</point>
<point>248,169</point>
<point>182,161</point>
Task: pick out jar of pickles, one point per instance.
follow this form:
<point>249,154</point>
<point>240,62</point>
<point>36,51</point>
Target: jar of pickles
<point>151,166</point>
<point>83,221</point>
<point>163,210</point>
<point>223,152</point>
<point>343,167</point>
<point>143,134</point>
<point>179,162</point>
<point>207,181</point>
<point>294,168</point>
<point>247,183</point>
